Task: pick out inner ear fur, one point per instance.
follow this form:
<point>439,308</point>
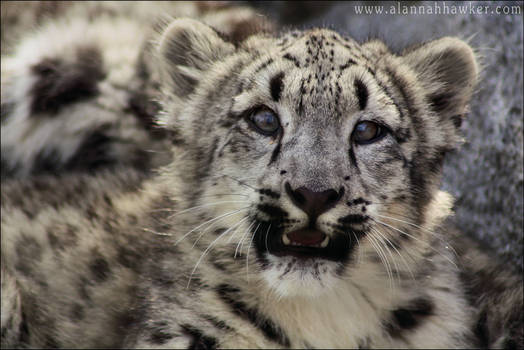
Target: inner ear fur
<point>186,49</point>
<point>448,70</point>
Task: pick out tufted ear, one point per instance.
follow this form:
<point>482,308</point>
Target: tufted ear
<point>448,70</point>
<point>187,49</point>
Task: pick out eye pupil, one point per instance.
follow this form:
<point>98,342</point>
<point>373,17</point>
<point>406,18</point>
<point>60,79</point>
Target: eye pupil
<point>265,122</point>
<point>367,132</point>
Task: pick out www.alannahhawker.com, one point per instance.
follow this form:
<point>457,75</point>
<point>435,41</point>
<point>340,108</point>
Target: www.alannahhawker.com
<point>440,8</point>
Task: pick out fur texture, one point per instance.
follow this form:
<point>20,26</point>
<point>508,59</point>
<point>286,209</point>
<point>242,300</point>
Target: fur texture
<point>294,136</point>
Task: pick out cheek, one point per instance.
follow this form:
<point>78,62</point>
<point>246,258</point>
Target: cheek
<point>382,167</point>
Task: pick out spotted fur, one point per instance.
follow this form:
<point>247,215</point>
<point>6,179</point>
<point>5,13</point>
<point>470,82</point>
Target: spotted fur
<point>194,257</point>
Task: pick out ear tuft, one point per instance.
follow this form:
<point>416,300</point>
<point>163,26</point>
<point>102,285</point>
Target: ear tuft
<point>448,70</point>
<point>187,49</point>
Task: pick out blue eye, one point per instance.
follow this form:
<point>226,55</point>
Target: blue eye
<point>265,122</point>
<point>367,132</point>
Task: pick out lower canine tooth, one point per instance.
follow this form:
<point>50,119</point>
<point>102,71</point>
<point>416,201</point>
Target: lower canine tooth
<point>285,240</point>
<point>325,242</point>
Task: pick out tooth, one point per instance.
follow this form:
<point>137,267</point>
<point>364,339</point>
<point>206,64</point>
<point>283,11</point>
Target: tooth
<point>325,242</point>
<point>285,239</point>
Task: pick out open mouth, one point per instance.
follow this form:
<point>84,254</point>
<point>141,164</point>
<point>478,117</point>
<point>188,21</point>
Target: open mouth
<point>306,238</point>
<point>306,243</point>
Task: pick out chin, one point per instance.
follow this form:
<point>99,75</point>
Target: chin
<point>289,276</point>
<point>304,262</point>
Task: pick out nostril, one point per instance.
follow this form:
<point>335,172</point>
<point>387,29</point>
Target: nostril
<point>334,196</point>
<point>295,196</point>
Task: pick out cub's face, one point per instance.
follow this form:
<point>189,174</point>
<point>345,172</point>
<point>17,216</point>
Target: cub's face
<point>311,154</point>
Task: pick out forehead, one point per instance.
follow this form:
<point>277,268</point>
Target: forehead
<point>317,75</point>
<point>317,71</point>
<point>321,49</point>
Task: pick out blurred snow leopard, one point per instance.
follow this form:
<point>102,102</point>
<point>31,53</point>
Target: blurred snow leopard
<point>294,201</point>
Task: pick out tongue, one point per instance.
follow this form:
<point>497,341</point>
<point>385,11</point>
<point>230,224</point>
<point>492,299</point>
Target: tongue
<point>306,237</point>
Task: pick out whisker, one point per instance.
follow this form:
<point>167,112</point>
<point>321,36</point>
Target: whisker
<point>415,238</point>
<point>247,254</point>
<point>267,234</point>
<point>222,194</point>
<point>232,235</point>
<point>383,258</point>
<point>448,246</point>
<point>212,220</point>
<point>210,246</point>
<point>240,182</point>
<point>384,240</point>
<point>157,233</point>
<point>408,268</point>
<point>242,242</point>
<point>204,206</point>
<point>359,249</point>
<point>242,239</point>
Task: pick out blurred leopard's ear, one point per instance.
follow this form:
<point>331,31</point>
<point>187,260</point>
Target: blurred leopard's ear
<point>187,49</point>
<point>448,70</point>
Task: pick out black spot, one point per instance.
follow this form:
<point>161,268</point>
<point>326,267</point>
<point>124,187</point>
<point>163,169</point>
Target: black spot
<point>82,288</point>
<point>362,94</point>
<point>275,153</point>
<point>217,264</point>
<point>301,100</point>
<point>160,337</point>
<point>441,101</point>
<point>353,219</point>
<point>61,237</point>
<point>353,158</point>
<point>293,59</point>
<point>263,65</point>
<point>217,323</point>
<point>47,161</point>
<point>268,192</point>
<point>409,317</point>
<point>272,211</point>
<point>457,120</point>
<point>128,319</point>
<point>91,213</point>
<point>77,312</point>
<point>350,62</point>
<point>28,252</point>
<point>129,258</point>
<point>50,342</point>
<point>93,153</point>
<point>60,83</point>
<point>481,331</point>
<point>145,109</point>
<point>358,201</point>
<point>283,172</point>
<point>199,340</point>
<point>276,86</point>
<point>230,296</point>
<point>100,269</point>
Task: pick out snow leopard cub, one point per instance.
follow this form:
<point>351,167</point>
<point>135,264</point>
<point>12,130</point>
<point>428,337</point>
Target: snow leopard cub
<point>301,210</point>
